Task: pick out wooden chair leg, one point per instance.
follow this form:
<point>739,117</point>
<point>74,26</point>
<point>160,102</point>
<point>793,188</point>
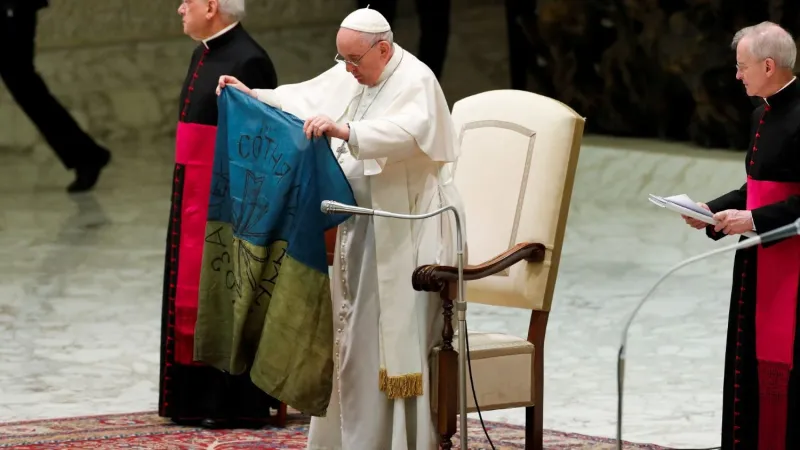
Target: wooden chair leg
<point>534,415</point>
<point>447,427</point>
<point>448,379</point>
<point>534,432</point>
<point>448,398</point>
<point>446,442</point>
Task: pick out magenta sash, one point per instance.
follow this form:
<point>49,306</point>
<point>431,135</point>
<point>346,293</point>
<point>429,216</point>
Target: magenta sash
<point>195,151</point>
<point>777,279</point>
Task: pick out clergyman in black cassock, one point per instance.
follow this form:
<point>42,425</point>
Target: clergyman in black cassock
<point>761,389</point>
<point>190,392</point>
<point>76,149</point>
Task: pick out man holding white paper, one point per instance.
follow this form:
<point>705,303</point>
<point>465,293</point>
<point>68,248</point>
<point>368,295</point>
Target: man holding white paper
<point>761,392</point>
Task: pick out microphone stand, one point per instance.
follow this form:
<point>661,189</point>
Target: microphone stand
<point>331,207</point>
<point>785,231</point>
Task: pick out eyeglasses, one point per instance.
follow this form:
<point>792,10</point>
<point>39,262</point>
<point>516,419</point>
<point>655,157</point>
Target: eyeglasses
<point>743,67</point>
<point>341,59</point>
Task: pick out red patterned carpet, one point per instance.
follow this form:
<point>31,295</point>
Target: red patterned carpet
<point>148,431</point>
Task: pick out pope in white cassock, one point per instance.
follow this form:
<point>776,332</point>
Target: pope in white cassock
<point>391,130</point>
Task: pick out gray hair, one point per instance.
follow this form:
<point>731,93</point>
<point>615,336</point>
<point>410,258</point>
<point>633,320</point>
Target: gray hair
<point>374,38</point>
<point>768,40</point>
<point>234,9</point>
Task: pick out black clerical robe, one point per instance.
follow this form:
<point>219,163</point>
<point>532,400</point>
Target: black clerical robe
<point>761,392</point>
<point>191,391</point>
<point>30,4</point>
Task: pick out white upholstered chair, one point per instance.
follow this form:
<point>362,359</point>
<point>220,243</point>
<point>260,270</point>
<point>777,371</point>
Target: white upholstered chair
<point>515,176</point>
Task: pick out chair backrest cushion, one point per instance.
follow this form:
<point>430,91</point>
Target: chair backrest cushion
<point>519,151</point>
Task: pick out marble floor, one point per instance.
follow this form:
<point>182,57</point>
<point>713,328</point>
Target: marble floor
<point>80,292</point>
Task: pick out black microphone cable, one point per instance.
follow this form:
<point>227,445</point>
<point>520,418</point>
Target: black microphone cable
<point>472,384</point>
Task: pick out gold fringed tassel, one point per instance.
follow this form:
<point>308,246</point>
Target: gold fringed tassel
<point>404,386</point>
<point>383,380</point>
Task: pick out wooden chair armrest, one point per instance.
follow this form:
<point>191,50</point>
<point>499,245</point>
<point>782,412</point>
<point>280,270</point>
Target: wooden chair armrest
<point>433,277</point>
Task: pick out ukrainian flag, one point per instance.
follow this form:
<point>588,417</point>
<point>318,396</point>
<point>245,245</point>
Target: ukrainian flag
<point>265,302</point>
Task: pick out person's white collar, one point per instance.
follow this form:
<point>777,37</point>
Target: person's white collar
<point>220,33</point>
<point>784,87</point>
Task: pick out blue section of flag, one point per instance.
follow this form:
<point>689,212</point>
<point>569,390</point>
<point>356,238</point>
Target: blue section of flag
<point>269,179</point>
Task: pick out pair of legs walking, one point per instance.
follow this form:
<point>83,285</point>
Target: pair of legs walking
<point>75,149</point>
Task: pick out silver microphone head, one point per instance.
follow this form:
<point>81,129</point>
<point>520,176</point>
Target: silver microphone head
<point>332,207</point>
<point>326,206</point>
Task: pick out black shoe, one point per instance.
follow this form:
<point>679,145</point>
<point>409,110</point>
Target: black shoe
<point>86,176</point>
<point>186,422</point>
<point>214,424</point>
<point>231,424</point>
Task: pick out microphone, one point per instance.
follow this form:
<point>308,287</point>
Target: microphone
<point>332,207</point>
<point>786,231</point>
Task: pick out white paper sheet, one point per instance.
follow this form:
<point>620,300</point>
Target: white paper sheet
<point>683,204</point>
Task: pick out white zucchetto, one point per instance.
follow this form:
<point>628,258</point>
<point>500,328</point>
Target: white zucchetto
<point>367,21</point>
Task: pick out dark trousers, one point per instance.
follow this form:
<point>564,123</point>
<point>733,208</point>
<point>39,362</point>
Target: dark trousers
<point>520,49</point>
<point>434,24</point>
<point>18,33</point>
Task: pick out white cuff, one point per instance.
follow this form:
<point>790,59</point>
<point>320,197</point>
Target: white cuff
<point>352,142</point>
